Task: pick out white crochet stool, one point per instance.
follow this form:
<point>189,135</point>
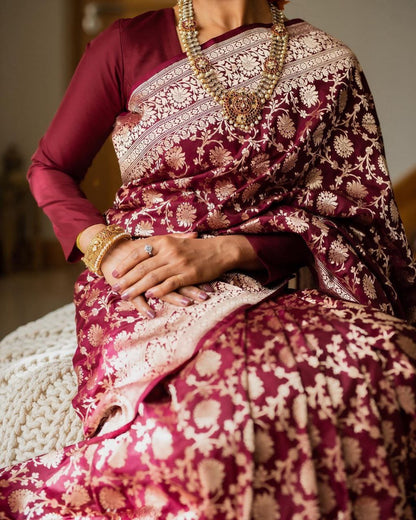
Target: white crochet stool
<point>37,384</point>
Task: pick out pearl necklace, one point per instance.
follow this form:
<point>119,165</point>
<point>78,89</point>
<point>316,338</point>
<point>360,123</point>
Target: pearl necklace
<point>242,107</point>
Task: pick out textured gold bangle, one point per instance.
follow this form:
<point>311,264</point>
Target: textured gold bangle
<point>77,242</point>
<point>101,244</point>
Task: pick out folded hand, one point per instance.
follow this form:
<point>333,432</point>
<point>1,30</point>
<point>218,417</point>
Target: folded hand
<point>177,264</point>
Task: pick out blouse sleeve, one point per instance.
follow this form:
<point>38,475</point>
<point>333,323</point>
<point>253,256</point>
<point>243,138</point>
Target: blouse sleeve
<point>281,255</point>
<point>81,125</point>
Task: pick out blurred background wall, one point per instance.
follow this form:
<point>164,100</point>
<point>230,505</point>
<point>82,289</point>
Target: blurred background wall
<point>34,57</point>
<point>38,52</point>
<point>35,61</point>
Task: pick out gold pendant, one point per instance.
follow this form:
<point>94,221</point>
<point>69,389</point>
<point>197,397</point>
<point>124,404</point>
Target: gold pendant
<point>242,107</point>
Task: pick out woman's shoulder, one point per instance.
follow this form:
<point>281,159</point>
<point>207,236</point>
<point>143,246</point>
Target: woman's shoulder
<point>314,37</point>
<point>307,40</point>
<point>145,25</point>
<point>137,29</point>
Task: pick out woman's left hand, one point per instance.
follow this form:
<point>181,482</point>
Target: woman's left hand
<point>177,261</point>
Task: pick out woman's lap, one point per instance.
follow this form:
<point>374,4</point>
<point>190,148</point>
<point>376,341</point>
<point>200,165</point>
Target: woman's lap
<point>299,405</point>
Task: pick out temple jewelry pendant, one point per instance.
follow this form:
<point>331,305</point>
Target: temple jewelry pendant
<point>242,108</point>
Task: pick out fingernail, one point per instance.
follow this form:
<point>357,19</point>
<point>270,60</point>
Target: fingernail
<point>117,287</point>
<point>149,294</point>
<point>186,301</point>
<point>116,274</point>
<point>151,314</point>
<point>207,288</point>
<point>203,296</point>
<point>125,295</point>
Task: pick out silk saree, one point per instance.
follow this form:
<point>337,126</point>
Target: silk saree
<point>261,402</point>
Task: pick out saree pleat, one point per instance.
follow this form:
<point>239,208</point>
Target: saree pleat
<point>265,401</point>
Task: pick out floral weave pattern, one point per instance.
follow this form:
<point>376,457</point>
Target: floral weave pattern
<point>306,403</point>
<point>258,404</point>
<point>315,159</point>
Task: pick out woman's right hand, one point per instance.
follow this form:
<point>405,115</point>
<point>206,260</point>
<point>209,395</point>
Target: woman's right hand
<point>184,297</point>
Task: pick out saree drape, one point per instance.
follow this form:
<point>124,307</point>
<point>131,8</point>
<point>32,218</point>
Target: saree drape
<point>257,403</point>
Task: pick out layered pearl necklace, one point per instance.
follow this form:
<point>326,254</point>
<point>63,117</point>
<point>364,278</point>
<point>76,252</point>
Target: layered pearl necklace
<point>242,107</point>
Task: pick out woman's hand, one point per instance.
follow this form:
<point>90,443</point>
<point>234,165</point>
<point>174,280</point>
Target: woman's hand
<point>182,298</point>
<point>128,249</point>
<point>178,263</point>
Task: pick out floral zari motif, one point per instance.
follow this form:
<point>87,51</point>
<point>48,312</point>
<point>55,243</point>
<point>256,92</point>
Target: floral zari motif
<point>314,166</point>
<point>257,404</point>
<point>267,421</point>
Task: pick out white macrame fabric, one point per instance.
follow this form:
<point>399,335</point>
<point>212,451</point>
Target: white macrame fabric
<point>37,384</point>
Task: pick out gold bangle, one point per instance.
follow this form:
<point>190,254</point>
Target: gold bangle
<point>77,242</point>
<point>101,244</point>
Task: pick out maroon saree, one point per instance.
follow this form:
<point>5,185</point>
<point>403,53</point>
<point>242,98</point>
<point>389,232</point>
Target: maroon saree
<point>258,403</point>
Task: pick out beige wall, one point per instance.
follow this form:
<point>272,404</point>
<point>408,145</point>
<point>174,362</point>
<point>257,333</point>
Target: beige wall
<point>33,57</point>
<point>34,69</point>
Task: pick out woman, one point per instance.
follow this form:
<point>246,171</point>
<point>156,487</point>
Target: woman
<point>241,161</point>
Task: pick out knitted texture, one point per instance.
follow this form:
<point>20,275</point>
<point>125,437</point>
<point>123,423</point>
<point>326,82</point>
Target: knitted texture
<point>37,384</point>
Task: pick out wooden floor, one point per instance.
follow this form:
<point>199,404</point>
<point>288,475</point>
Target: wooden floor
<point>27,296</point>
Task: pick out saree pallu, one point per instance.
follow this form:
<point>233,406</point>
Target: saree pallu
<point>258,403</point>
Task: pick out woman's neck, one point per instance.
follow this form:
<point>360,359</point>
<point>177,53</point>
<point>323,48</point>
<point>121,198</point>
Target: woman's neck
<point>215,17</point>
<point>229,14</point>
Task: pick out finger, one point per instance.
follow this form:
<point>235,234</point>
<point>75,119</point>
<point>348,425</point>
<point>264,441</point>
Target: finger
<point>168,284</point>
<point>191,234</point>
<point>143,307</point>
<point>139,254</point>
<point>194,293</point>
<point>154,284</point>
<point>175,298</point>
<point>136,275</point>
<point>207,287</point>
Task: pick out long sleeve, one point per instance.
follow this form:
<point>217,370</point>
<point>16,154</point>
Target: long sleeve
<point>83,122</point>
<point>281,255</point>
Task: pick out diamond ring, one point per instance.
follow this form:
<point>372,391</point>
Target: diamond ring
<point>149,249</point>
